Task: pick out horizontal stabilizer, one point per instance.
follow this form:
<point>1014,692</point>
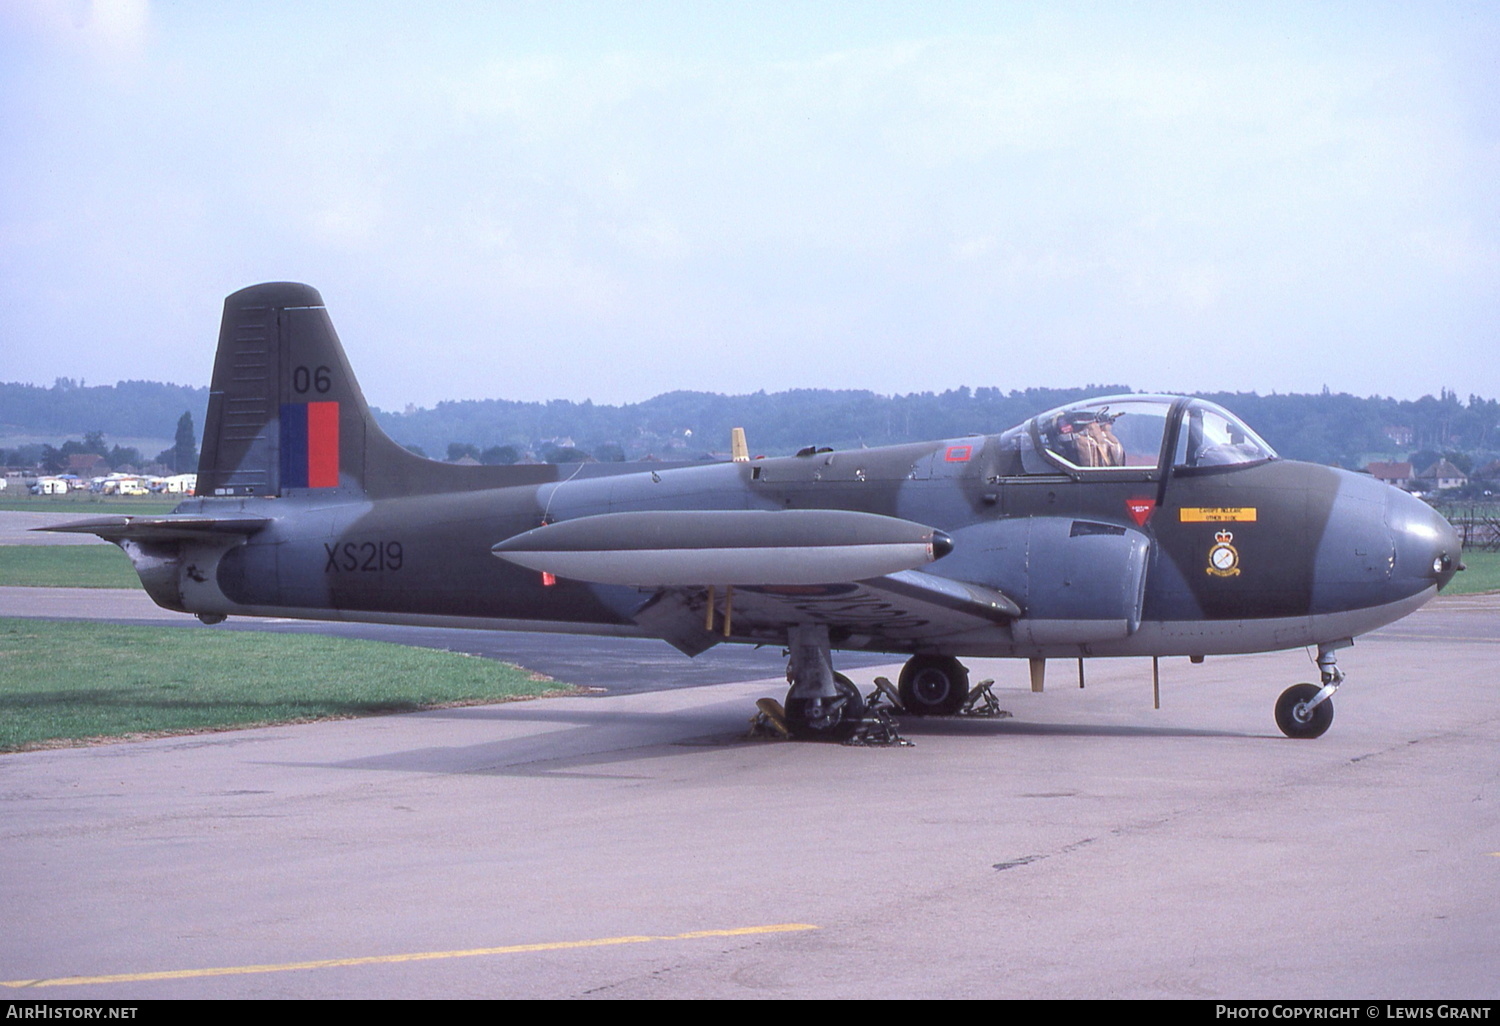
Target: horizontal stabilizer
<point>163,528</point>
<point>673,548</point>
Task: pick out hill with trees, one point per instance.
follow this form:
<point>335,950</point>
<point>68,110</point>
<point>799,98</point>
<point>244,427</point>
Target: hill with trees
<point>127,409</point>
<point>1331,427</point>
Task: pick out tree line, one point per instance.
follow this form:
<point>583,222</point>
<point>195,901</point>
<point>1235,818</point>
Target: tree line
<point>1331,427</point>
<point>130,409</point>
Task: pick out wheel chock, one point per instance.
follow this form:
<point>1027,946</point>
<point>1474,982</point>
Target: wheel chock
<point>982,702</point>
<point>769,720</point>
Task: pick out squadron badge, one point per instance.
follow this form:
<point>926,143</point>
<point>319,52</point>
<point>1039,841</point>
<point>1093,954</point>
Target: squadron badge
<point>1224,558</point>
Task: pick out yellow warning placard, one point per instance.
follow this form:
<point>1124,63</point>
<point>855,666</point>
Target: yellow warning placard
<point>1215,514</point>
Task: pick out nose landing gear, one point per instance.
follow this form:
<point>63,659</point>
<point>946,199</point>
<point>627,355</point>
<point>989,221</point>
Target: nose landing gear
<point>1298,717</point>
<point>1306,710</point>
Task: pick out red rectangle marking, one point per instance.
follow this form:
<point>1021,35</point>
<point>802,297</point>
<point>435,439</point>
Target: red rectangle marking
<point>959,453</point>
<point>322,445</point>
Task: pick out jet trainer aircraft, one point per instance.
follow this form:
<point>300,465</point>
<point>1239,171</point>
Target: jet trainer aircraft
<point>1134,525</point>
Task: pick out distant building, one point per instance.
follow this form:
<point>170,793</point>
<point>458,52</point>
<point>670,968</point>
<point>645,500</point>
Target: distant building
<point>1443,475</point>
<point>1400,434</point>
<point>1397,474</point>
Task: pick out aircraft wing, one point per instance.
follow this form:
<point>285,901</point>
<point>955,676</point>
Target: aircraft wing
<point>767,570</point>
<point>899,611</point>
<point>162,528</point>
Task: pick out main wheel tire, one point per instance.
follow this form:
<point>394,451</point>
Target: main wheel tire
<point>933,685</point>
<point>1293,717</point>
<point>822,719</point>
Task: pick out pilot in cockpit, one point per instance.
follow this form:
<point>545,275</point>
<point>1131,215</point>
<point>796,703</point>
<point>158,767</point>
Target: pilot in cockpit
<point>1094,439</point>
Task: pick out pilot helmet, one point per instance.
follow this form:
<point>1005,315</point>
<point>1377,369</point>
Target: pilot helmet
<point>1076,421</point>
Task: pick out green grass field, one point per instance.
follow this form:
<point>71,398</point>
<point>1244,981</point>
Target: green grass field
<point>1483,574</point>
<point>66,566</point>
<point>85,504</point>
<point>62,683</point>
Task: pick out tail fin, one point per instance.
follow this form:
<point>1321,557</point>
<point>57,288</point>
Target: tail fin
<point>286,417</point>
<point>285,413</point>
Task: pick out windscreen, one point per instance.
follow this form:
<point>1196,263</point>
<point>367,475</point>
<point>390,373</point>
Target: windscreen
<point>1213,437</point>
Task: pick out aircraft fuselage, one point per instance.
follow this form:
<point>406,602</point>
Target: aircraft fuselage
<point>1318,554</point>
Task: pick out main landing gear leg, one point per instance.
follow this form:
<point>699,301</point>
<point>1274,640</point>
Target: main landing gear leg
<point>821,705</point>
<point>1305,710</point>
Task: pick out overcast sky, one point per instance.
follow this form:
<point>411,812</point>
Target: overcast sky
<point>613,200</point>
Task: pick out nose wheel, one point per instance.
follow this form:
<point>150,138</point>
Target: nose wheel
<point>1298,717</point>
<point>1306,710</point>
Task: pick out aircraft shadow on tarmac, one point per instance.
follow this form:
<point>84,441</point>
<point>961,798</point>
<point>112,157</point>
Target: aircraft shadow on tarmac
<point>554,753</point>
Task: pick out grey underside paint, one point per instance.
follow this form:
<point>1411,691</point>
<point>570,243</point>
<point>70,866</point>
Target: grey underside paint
<point>1173,638</point>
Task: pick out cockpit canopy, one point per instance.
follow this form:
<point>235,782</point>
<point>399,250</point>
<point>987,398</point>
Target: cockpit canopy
<point>1130,433</point>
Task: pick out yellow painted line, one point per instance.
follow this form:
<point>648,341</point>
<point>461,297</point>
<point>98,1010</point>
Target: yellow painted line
<point>417,956</point>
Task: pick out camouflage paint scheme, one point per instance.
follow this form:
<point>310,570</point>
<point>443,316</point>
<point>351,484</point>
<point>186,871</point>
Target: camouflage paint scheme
<point>983,546</point>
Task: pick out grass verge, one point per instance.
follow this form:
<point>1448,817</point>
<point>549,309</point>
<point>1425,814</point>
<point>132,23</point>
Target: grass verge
<point>86,504</point>
<point>65,683</point>
<point>66,566</point>
<point>1483,574</point>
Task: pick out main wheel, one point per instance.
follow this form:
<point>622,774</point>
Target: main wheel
<point>826,719</point>
<point>934,685</point>
<point>1295,719</point>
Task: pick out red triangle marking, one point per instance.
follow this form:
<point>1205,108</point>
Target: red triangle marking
<point>1140,510</point>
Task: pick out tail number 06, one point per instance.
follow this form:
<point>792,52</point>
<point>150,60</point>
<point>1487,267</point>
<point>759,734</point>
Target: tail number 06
<point>318,379</point>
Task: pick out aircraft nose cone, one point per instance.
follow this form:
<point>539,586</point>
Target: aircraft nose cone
<point>1428,549</point>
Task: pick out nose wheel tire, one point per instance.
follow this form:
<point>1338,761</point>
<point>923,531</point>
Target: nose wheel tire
<point>933,685</point>
<point>1294,717</point>
<point>826,719</point>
